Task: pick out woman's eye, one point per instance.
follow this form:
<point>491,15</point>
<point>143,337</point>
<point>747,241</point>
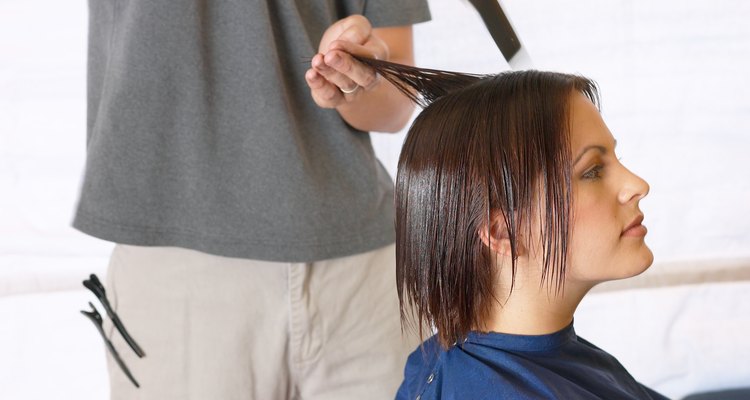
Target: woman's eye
<point>594,173</point>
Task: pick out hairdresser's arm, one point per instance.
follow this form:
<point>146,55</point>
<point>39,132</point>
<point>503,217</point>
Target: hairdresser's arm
<point>376,105</point>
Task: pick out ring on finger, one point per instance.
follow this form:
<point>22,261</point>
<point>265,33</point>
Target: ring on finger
<point>349,91</point>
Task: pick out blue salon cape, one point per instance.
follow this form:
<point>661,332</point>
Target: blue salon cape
<point>492,365</point>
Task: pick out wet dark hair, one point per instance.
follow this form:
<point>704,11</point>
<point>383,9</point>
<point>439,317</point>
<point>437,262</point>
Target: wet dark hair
<point>484,146</point>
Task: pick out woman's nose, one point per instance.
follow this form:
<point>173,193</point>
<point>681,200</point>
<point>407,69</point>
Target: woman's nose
<point>634,188</point>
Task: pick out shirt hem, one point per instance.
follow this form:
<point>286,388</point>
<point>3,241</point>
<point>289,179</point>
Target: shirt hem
<point>289,251</point>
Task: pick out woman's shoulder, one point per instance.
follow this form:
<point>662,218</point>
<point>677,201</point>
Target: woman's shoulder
<point>433,372</point>
<point>491,366</point>
<point>419,366</point>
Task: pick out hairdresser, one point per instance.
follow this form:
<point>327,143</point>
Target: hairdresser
<point>229,160</point>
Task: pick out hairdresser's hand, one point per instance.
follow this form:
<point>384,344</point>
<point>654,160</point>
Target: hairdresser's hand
<point>335,72</point>
<point>370,103</point>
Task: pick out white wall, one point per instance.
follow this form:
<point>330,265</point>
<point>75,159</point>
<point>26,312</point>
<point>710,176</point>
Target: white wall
<point>42,145</point>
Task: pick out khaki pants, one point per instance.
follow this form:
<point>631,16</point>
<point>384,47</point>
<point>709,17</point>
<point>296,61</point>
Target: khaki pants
<point>224,328</point>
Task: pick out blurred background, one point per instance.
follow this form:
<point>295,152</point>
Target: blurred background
<point>675,90</point>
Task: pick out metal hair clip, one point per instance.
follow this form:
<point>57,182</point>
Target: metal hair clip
<point>96,318</point>
<point>97,288</point>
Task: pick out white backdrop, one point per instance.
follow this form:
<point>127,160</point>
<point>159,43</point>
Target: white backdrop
<point>674,83</point>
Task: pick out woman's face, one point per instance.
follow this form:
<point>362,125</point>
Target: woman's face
<point>607,234</point>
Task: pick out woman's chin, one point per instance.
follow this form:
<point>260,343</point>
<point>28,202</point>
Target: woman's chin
<point>645,260</point>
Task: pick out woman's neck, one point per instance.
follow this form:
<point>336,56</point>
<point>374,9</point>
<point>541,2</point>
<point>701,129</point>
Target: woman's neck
<point>531,308</point>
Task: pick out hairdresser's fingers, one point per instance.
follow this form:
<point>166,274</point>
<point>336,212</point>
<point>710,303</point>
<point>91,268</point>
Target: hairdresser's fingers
<point>324,93</point>
<point>342,81</point>
<point>373,47</point>
<point>365,76</point>
<point>349,69</point>
<point>354,28</point>
<point>357,29</point>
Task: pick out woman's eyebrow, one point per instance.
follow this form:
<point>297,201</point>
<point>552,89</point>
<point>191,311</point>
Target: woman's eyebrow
<point>601,149</point>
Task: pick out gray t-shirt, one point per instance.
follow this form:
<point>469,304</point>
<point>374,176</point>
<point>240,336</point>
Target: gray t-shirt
<point>202,133</point>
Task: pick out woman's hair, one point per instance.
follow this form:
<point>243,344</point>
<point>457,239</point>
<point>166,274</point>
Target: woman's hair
<point>483,148</point>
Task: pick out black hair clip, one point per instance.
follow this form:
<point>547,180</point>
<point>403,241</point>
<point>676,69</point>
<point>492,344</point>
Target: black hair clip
<point>97,288</point>
<point>96,318</point>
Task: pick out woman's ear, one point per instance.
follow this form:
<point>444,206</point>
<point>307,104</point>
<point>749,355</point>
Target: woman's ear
<point>496,237</point>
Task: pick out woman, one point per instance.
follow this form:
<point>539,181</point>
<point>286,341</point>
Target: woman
<point>510,206</point>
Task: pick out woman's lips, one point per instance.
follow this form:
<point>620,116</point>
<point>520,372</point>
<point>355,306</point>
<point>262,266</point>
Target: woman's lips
<point>635,228</point>
<point>635,231</point>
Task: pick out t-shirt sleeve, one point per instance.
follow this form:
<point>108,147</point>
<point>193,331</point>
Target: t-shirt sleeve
<point>384,13</point>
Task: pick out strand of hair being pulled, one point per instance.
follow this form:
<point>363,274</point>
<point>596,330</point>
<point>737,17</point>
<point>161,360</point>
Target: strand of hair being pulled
<point>420,85</point>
